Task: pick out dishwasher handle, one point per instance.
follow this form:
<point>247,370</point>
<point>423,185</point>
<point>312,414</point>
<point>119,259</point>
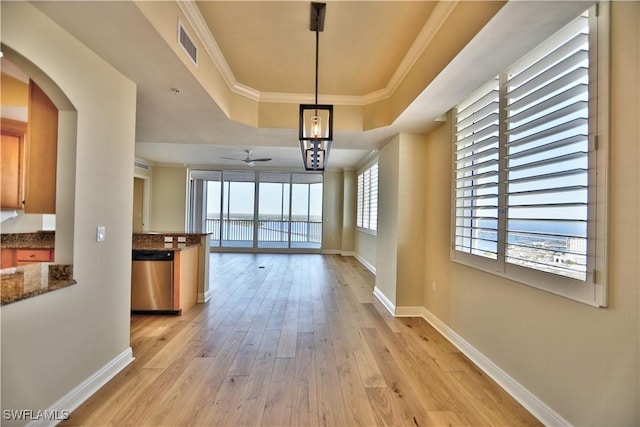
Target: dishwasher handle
<point>150,255</point>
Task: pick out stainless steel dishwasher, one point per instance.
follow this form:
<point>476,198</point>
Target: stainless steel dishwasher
<point>152,281</point>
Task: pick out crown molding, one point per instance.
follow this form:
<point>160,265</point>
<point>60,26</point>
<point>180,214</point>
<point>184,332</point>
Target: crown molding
<point>437,18</point>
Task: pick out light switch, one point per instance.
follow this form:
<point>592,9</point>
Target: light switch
<point>100,234</point>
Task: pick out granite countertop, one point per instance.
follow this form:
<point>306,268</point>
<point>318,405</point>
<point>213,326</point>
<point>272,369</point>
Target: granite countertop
<point>37,240</point>
<point>27,281</point>
<point>159,241</point>
<point>163,246</point>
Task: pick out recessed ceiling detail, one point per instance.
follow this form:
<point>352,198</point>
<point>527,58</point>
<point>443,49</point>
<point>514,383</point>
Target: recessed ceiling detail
<point>387,38</point>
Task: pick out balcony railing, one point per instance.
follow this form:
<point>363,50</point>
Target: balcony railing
<point>268,230</point>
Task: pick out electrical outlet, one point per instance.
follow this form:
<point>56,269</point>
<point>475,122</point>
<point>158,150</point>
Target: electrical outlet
<point>100,233</point>
<point>168,239</point>
<point>434,286</point>
<point>182,239</point>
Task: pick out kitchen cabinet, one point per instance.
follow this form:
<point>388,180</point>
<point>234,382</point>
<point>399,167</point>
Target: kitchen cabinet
<point>29,157</point>
<point>185,277</point>
<point>41,153</point>
<point>29,256</point>
<point>8,258</point>
<point>12,156</point>
<point>18,257</point>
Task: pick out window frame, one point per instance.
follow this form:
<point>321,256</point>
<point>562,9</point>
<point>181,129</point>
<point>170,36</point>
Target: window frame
<point>592,291</point>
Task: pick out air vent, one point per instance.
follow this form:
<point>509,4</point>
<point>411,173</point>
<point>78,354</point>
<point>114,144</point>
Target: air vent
<point>187,43</point>
<point>141,165</point>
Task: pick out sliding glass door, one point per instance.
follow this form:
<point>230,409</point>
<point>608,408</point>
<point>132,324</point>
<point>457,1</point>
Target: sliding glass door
<point>264,210</point>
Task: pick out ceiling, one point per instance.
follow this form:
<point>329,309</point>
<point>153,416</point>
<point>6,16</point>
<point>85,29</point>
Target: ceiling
<point>371,57</point>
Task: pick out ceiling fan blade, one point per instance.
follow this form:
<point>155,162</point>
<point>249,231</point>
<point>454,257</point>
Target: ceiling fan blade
<point>230,158</point>
<point>265,159</point>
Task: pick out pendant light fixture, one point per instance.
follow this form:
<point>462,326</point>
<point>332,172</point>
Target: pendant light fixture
<point>316,120</point>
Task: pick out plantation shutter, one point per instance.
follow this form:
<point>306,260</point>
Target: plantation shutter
<point>373,200</point>
<point>477,172</point>
<point>548,155</point>
<point>360,203</point>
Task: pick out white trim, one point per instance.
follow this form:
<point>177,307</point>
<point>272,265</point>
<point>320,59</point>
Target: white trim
<point>349,253</point>
<point>386,302</point>
<point>436,20</point>
<point>533,404</point>
<point>87,388</point>
<point>331,252</point>
<point>367,264</point>
<point>204,296</point>
<point>409,311</point>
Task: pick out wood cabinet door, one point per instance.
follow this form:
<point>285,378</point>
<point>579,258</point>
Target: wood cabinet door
<point>11,184</point>
<point>41,153</point>
<point>8,258</point>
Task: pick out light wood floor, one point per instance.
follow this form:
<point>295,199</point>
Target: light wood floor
<point>295,340</point>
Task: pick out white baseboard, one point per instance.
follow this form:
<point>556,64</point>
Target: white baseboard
<point>86,389</point>
<point>538,408</point>
<point>367,265</point>
<point>331,252</point>
<point>204,297</point>
<point>386,302</point>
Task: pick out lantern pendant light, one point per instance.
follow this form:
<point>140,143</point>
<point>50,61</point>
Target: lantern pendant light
<point>316,120</point>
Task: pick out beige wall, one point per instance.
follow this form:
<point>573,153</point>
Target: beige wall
<point>387,234</point>
<point>581,361</point>
<point>332,211</point>
<point>168,198</point>
<point>349,195</point>
<point>54,342</point>
<point>365,246</point>
<point>401,210</point>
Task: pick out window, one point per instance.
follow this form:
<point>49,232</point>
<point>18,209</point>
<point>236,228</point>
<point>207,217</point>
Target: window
<point>367,203</point>
<point>528,179</point>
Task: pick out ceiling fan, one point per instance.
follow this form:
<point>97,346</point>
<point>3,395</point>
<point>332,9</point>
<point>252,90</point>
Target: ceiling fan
<point>248,160</point>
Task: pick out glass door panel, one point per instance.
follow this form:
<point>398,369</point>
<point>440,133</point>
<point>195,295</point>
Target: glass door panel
<point>238,195</point>
<point>306,211</point>
<point>213,220</point>
<point>273,210</point>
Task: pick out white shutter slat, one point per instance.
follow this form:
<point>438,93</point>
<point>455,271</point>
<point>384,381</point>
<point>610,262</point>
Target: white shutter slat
<point>576,139</point>
<point>573,125</point>
<point>477,126</point>
<point>580,106</point>
<point>478,115</point>
<point>571,93</point>
<point>576,43</point>
<point>575,76</point>
<point>543,79</point>
<point>486,132</point>
<point>464,149</point>
<point>491,152</point>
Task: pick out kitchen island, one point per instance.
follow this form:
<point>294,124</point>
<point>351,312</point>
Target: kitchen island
<point>190,256</point>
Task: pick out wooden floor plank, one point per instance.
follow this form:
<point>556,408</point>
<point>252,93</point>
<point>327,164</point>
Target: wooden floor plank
<point>295,340</point>
<point>279,402</point>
